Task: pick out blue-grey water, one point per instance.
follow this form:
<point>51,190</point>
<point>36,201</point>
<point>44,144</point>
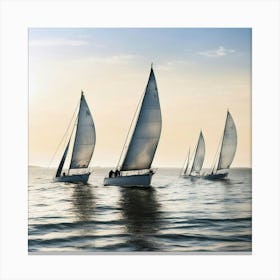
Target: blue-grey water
<point>174,215</point>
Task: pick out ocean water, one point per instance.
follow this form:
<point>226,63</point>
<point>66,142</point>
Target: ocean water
<point>174,215</point>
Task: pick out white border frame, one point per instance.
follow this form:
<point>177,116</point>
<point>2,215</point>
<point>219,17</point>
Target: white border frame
<point>17,16</point>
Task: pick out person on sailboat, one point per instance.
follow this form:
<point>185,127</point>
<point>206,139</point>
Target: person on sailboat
<point>111,173</point>
<point>117,172</point>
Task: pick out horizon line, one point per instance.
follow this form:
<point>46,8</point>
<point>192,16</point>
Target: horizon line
<point>113,167</point>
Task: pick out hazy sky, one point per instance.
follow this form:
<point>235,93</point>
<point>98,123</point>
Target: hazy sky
<point>200,74</point>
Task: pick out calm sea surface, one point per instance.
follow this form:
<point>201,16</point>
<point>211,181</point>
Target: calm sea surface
<point>175,215</point>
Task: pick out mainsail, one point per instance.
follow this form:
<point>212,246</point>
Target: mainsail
<point>85,138</point>
<point>229,144</point>
<point>199,155</point>
<point>188,162</point>
<point>145,138</point>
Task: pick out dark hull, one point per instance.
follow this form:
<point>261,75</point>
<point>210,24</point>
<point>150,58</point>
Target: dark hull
<point>215,176</point>
<point>77,178</point>
<point>139,180</point>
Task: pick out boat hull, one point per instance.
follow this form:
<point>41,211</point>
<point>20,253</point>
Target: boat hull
<point>139,180</point>
<point>76,178</point>
<point>220,176</point>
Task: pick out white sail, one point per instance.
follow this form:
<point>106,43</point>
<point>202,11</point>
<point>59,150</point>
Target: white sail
<point>145,138</point>
<point>199,155</point>
<point>188,162</point>
<point>85,137</point>
<point>229,144</point>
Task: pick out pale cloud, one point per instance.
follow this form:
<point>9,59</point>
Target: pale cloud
<point>166,66</point>
<point>121,58</point>
<point>170,65</point>
<point>113,59</point>
<point>57,42</point>
<point>219,52</point>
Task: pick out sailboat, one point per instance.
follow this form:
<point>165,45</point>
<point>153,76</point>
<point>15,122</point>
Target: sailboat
<point>135,169</point>
<point>198,159</point>
<point>226,152</point>
<point>83,148</point>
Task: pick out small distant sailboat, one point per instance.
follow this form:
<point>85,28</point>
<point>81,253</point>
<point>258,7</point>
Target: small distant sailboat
<point>198,159</point>
<point>83,148</point>
<point>226,152</point>
<point>135,169</point>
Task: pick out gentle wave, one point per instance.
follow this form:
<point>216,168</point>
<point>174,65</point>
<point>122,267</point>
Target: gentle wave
<point>199,237</point>
<point>175,215</point>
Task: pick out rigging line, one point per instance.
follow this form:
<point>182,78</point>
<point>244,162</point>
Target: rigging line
<point>64,136</point>
<point>223,139</point>
<point>76,121</point>
<point>183,171</point>
<point>133,119</point>
<point>216,155</point>
<point>194,154</point>
<point>192,158</point>
<point>219,147</point>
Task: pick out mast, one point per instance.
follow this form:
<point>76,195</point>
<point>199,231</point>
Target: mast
<point>195,153</point>
<point>217,156</point>
<point>188,161</point>
<point>219,159</point>
<point>76,123</point>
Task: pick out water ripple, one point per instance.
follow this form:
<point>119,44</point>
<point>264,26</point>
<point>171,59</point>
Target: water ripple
<point>175,215</point>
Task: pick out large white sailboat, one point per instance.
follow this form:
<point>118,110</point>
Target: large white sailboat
<point>194,169</point>
<point>83,148</point>
<point>135,169</point>
<point>226,151</point>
